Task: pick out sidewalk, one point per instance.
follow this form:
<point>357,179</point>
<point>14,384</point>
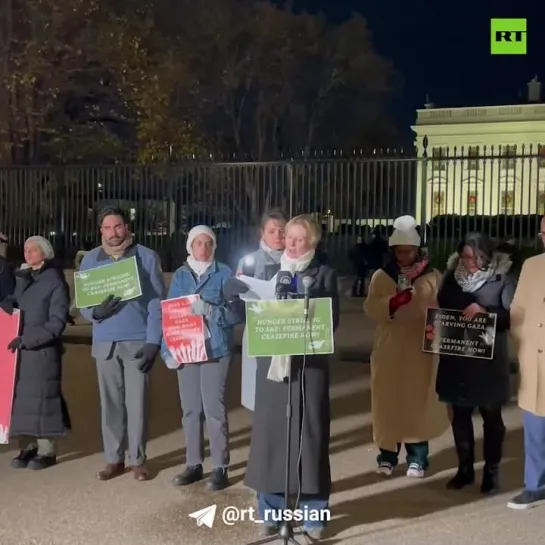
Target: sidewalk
<point>66,505</point>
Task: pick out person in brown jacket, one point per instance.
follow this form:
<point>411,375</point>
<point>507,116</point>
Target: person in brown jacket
<point>527,328</point>
<point>406,410</point>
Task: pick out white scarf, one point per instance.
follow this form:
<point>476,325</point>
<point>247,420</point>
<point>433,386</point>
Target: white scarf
<point>281,365</point>
<point>275,254</point>
<point>298,264</point>
<point>198,267</point>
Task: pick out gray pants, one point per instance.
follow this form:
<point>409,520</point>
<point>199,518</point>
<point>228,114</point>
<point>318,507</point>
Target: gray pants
<point>123,400</point>
<point>45,446</point>
<point>202,390</point>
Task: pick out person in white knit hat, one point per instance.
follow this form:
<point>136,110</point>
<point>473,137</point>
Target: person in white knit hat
<point>405,407</point>
<point>202,383</point>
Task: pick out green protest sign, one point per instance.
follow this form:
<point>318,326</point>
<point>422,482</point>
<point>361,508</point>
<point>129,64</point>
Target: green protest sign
<point>121,279</point>
<point>278,328</point>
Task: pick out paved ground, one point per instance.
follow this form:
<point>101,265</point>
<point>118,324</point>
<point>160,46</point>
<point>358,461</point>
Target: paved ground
<point>65,505</point>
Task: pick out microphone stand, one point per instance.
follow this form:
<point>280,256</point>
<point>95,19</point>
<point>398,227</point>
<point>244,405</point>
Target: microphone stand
<point>286,530</point>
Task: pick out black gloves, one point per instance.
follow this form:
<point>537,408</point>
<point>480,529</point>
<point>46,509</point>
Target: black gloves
<point>147,355</point>
<point>7,306</point>
<point>15,344</point>
<point>110,306</point>
<point>233,288</point>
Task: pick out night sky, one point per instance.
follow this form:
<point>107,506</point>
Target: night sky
<point>442,48</point>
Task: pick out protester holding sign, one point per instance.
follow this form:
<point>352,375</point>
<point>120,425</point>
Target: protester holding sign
<point>254,265</point>
<point>126,337</point>
<point>477,281</point>
<point>202,384</point>
<point>40,414</point>
<point>309,469</point>
<point>405,407</point>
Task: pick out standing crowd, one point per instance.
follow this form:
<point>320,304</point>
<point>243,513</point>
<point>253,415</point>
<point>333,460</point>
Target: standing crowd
<point>416,396</point>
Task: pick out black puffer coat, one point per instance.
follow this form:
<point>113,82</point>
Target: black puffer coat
<point>475,381</point>
<point>43,298</point>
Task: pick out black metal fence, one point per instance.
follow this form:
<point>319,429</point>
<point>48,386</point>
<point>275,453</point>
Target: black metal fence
<point>449,191</point>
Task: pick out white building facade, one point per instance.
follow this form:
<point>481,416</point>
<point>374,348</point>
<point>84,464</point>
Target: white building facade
<point>481,160</point>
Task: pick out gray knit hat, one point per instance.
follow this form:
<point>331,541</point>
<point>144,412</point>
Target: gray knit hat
<point>44,244</point>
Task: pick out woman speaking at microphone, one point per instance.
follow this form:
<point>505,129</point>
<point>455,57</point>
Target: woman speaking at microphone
<point>310,477</point>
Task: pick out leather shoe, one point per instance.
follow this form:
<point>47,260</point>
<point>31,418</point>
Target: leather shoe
<point>192,474</point>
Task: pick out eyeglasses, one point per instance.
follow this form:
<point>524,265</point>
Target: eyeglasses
<point>471,259</point>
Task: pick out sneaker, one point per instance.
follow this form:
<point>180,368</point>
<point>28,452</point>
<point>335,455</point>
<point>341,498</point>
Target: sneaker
<point>21,461</point>
<point>415,470</point>
<point>218,479</point>
<point>42,462</point>
<point>385,468</point>
<point>527,500</point>
<point>192,474</point>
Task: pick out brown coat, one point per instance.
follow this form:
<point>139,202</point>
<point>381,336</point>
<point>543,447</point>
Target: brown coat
<point>528,331</point>
<point>404,403</point>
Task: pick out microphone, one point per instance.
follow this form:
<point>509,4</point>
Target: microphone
<point>283,284</point>
<point>307,284</point>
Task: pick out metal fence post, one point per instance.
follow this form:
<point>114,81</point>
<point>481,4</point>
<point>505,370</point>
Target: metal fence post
<point>424,192</point>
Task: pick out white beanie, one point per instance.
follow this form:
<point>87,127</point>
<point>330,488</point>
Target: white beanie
<point>195,232</point>
<point>405,233</point>
<point>44,245</point>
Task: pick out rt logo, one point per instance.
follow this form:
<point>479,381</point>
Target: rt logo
<point>508,37</point>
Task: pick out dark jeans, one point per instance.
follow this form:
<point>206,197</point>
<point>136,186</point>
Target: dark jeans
<point>417,453</point>
<point>270,508</point>
<point>464,438</point>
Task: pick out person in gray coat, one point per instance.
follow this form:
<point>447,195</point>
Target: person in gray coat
<point>39,411</point>
<point>271,247</point>
<point>310,470</point>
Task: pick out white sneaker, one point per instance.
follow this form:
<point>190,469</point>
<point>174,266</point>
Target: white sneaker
<point>415,471</point>
<point>386,469</point>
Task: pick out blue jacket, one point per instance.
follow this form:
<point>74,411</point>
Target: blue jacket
<point>210,288</point>
<point>140,318</point>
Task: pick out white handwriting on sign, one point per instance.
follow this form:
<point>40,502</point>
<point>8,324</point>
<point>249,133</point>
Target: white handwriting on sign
<point>124,282</point>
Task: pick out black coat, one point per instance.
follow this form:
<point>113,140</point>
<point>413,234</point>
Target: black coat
<point>7,279</point>
<point>43,298</point>
<point>266,463</point>
<point>475,381</point>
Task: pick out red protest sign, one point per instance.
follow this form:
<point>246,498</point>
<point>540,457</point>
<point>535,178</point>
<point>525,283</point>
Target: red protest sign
<point>184,333</point>
<point>9,329</point>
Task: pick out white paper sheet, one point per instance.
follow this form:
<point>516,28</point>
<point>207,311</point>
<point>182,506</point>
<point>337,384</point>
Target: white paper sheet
<point>259,289</point>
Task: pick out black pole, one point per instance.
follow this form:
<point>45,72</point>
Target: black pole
<point>286,530</point>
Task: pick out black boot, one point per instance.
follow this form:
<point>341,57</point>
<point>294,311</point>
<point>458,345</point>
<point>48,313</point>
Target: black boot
<point>192,474</point>
<point>464,439</point>
<point>23,458</point>
<point>490,484</point>
<point>40,462</point>
<point>493,438</point>
<point>465,476</point>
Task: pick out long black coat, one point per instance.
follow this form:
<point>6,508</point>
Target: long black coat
<point>7,279</point>
<point>475,381</point>
<point>43,298</point>
<point>266,464</point>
